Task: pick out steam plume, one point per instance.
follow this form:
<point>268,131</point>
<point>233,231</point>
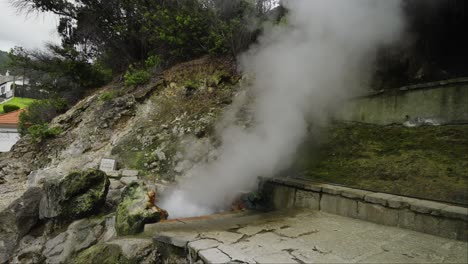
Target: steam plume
<point>300,71</point>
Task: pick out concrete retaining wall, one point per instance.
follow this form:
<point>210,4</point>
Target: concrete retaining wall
<point>419,215</point>
<point>445,102</point>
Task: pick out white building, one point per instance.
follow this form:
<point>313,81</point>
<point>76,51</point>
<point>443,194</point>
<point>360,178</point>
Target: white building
<point>6,85</point>
<point>9,130</point>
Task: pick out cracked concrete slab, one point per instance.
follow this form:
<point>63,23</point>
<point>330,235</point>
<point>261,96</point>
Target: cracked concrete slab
<point>214,255</point>
<point>308,236</point>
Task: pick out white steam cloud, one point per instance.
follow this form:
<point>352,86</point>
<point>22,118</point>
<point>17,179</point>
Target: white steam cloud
<point>301,70</point>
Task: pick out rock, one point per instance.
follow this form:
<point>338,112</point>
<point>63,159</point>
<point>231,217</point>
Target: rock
<point>129,173</point>
<point>134,248</point>
<point>113,174</point>
<point>133,212</point>
<point>113,198</point>
<point>79,236</point>
<point>109,231</point>
<point>29,250</point>
<point>120,251</point>
<point>78,195</point>
<point>160,154</point>
<point>115,185</point>
<point>17,220</point>
<point>128,180</point>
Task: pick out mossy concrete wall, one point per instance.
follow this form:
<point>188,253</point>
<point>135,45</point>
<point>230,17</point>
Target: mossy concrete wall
<point>445,102</point>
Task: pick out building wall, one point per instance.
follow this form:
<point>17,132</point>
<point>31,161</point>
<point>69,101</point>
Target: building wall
<point>445,102</point>
<point>7,140</point>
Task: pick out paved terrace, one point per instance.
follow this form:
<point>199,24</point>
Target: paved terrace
<point>302,236</point>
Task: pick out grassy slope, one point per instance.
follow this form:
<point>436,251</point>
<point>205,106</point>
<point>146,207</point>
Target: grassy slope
<point>430,162</point>
<point>21,102</point>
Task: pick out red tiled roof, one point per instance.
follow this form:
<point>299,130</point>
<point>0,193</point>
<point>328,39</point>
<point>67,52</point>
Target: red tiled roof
<point>10,118</point>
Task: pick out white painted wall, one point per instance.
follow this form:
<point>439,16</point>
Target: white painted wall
<point>7,140</point>
<point>6,87</point>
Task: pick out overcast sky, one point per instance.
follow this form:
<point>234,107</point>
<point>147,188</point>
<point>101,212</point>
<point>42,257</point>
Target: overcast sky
<point>30,32</point>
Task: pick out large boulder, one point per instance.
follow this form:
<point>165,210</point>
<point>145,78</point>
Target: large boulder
<point>17,220</point>
<point>78,195</point>
<point>134,211</point>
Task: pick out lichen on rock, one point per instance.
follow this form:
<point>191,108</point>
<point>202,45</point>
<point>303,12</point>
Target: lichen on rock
<point>133,211</point>
<point>78,195</point>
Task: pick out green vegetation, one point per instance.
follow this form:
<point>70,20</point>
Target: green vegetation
<point>107,96</point>
<point>43,131</point>
<point>136,77</point>
<point>7,108</point>
<point>19,102</point>
<point>429,162</point>
<point>38,115</point>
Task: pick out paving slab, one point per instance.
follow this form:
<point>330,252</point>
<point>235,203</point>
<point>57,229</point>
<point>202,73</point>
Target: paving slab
<point>305,236</point>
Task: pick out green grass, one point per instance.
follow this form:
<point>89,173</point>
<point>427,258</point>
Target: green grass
<point>19,101</point>
<point>427,162</point>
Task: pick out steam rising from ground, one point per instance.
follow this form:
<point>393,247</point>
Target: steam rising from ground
<point>301,70</point>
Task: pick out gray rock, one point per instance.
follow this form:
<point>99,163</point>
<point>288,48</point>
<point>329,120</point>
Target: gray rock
<point>129,173</point>
<point>17,220</point>
<point>109,230</point>
<point>78,195</point>
<point>115,184</point>
<point>29,250</point>
<point>160,154</point>
<point>79,236</point>
<point>113,198</point>
<point>113,174</point>
<point>128,180</point>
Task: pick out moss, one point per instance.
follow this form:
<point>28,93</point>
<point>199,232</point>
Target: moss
<point>132,214</point>
<point>79,194</point>
<point>429,162</point>
<point>102,254</point>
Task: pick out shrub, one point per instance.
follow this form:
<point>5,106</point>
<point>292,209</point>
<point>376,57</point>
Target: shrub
<point>40,113</point>
<point>107,96</point>
<point>43,131</point>
<point>10,108</point>
<point>136,77</point>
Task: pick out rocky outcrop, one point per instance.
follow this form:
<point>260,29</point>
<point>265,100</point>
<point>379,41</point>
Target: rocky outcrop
<point>64,246</point>
<point>78,195</point>
<point>143,128</point>
<point>17,220</point>
<point>133,211</point>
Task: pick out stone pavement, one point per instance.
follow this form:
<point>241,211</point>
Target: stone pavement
<point>303,236</point>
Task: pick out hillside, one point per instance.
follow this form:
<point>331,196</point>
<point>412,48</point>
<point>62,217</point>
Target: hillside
<point>429,162</point>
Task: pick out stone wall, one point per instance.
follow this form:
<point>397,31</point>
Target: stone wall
<point>445,102</point>
<point>429,217</point>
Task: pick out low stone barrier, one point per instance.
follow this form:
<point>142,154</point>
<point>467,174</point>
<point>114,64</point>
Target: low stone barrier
<point>425,216</point>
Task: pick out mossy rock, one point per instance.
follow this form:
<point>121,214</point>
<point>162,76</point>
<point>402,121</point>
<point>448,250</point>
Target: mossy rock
<point>101,254</point>
<point>132,212</point>
<point>78,195</point>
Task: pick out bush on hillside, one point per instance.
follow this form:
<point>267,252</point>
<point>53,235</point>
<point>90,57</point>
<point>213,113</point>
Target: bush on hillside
<point>43,131</point>
<point>40,113</point>
<point>8,108</point>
